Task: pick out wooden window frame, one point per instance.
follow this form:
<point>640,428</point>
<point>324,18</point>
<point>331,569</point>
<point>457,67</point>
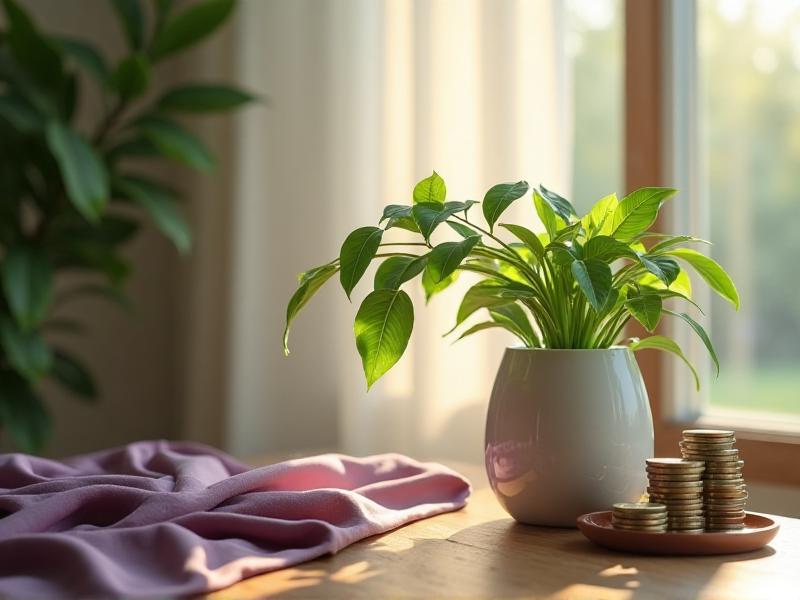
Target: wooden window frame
<point>770,455</point>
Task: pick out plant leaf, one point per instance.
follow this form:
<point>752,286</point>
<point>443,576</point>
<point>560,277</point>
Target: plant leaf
<point>395,210</point>
<point>462,230</point>
<point>445,258</point>
<point>527,237</point>
<point>432,288</point>
<point>638,211</point>
<point>607,249</point>
<point>486,294</point>
<point>175,142</point>
<point>646,308</point>
<point>711,272</point>
<point>28,285</point>
<point>499,198</point>
<point>22,413</point>
<point>515,319</point>
<point>132,76</point>
<point>73,375</point>
<point>199,97</point>
<point>160,204</point>
<point>594,279</point>
<point>131,18</point>
<point>701,333</point>
<point>659,342</point>
<point>598,220</point>
<point>87,57</point>
<point>26,352</point>
<point>309,284</point>
<point>84,174</point>
<point>551,222</point>
<point>32,51</point>
<point>430,189</point>
<point>561,206</point>
<point>358,250</point>
<point>190,26</point>
<point>671,241</point>
<point>396,270</point>
<point>429,215</point>
<point>382,328</point>
<point>663,267</point>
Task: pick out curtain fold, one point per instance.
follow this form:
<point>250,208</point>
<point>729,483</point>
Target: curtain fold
<point>364,99</point>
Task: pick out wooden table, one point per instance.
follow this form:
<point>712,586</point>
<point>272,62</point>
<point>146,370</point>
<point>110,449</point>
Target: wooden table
<point>479,552</point>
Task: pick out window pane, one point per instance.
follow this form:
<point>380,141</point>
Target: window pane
<point>594,48</point>
<point>750,78</point>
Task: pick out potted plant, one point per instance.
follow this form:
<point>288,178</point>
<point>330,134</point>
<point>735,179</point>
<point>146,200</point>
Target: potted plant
<point>569,424</point>
<point>70,196</point>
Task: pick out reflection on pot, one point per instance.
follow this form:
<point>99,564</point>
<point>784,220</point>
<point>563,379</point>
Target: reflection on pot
<point>509,466</point>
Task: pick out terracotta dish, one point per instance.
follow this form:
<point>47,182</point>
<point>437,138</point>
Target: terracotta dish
<point>758,532</point>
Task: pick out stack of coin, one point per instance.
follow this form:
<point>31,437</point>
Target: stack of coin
<point>724,491</point>
<point>639,516</point>
<point>678,484</point>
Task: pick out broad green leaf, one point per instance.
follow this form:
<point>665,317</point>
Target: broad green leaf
<point>28,285</point>
<point>552,223</point>
<point>189,27</point>
<point>607,249</point>
<point>671,241</point>
<point>430,189</point>
<point>463,230</point>
<point>645,308</point>
<point>499,198</point>
<point>598,219</point>
<point>406,223</point>
<point>561,206</point>
<point>84,174</point>
<point>20,115</point>
<point>175,142</point>
<point>395,210</point>
<point>527,237</point>
<point>356,253</point>
<point>310,283</point>
<point>429,215</point>
<point>659,342</point>
<point>85,56</point>
<point>432,288</point>
<point>36,54</point>
<point>486,294</point>
<point>22,413</point>
<point>27,352</point>
<point>396,270</point>
<point>160,203</point>
<point>515,319</point>
<point>638,211</point>
<point>663,267</point>
<point>198,97</point>
<point>382,328</point>
<point>73,375</point>
<point>131,18</point>
<point>445,258</point>
<point>132,76</point>
<point>682,284</point>
<point>594,279</point>
<point>701,333</point>
<point>711,272</point>
<point>489,325</point>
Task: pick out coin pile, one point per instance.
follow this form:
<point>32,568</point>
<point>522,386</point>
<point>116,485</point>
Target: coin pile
<point>678,484</point>
<point>725,493</point>
<point>639,516</point>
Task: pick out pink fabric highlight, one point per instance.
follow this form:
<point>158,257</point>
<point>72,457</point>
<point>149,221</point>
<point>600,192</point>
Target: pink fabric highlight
<point>172,518</point>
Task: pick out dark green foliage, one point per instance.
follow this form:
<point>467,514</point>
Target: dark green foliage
<point>61,187</point>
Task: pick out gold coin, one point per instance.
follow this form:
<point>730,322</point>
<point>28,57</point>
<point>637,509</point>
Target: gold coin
<point>639,518</point>
<point>715,456</point>
<point>648,528</point>
<point>717,462</point>
<point>713,484</point>
<point>707,443</point>
<point>674,505</point>
<point>688,530</point>
<point>697,483</point>
<point>673,463</point>
<point>639,522</point>
<point>724,520</point>
<point>739,492</point>
<point>657,495</point>
<point>722,476</point>
<point>706,447</point>
<point>639,507</point>
<point>724,508</point>
<point>656,476</point>
<point>724,467</point>
<point>725,526</point>
<point>708,433</point>
<point>685,519</point>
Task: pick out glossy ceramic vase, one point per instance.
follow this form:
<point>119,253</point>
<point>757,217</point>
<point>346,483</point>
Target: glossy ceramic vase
<point>567,433</point>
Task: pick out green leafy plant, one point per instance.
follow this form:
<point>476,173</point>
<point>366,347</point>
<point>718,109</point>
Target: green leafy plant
<point>575,285</point>
<point>70,199</point>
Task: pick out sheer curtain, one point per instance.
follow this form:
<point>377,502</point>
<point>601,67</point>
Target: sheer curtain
<point>364,98</point>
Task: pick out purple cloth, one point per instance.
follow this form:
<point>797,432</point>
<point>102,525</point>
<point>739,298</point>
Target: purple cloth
<point>169,518</point>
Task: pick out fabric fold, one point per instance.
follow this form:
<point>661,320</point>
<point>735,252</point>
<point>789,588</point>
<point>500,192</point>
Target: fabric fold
<point>176,518</point>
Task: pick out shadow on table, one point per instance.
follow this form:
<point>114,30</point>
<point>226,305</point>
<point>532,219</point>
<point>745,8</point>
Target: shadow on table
<point>499,558</point>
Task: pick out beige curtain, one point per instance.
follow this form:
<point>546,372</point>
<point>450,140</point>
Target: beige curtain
<point>365,98</point>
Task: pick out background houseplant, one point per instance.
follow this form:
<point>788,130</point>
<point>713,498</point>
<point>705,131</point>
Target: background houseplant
<point>575,286</point>
<point>71,198</point>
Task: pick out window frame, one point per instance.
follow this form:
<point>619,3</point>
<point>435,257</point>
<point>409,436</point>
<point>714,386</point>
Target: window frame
<point>661,147</point>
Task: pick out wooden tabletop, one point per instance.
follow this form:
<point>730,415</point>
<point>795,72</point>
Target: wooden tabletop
<point>480,552</point>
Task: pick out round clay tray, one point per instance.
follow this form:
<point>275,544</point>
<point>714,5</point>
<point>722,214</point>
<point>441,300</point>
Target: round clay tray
<point>758,532</point>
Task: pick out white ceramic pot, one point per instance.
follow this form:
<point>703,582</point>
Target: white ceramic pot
<point>567,433</point>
